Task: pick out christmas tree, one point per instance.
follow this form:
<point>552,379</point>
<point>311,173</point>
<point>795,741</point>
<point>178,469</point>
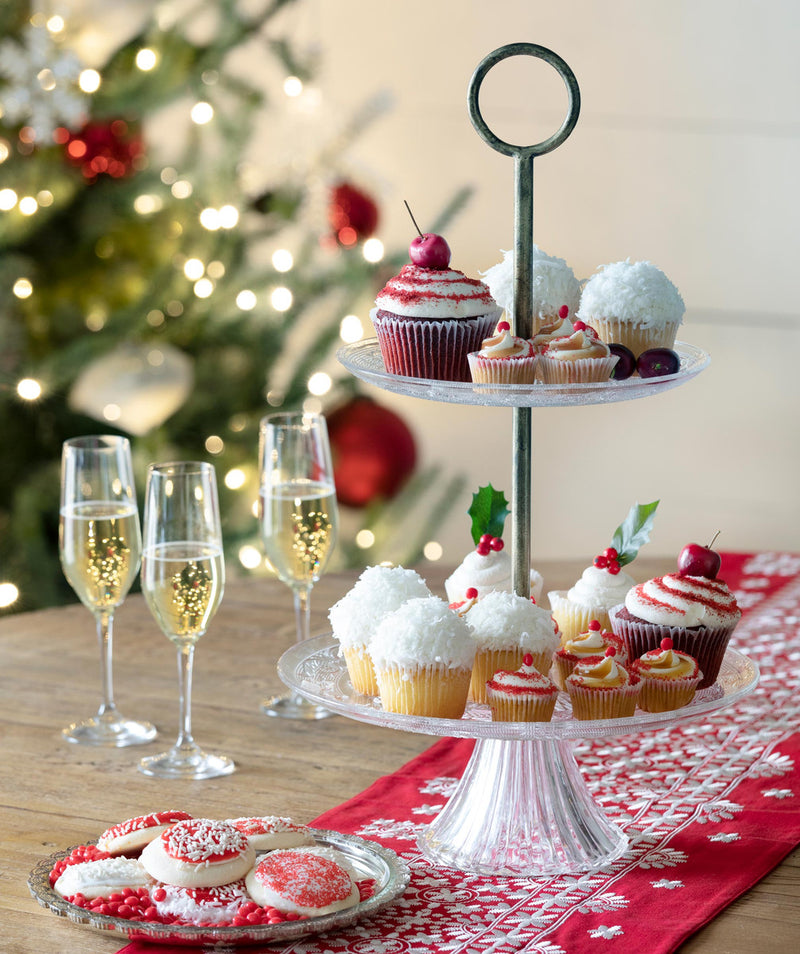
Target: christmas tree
<point>147,287</point>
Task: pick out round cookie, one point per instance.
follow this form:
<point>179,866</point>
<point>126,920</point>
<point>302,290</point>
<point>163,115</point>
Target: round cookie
<point>268,832</point>
<point>135,833</point>
<point>215,905</point>
<point>199,853</point>
<point>299,881</point>
<point>101,878</point>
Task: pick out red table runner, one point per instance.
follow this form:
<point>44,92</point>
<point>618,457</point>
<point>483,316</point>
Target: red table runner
<point>709,807</point>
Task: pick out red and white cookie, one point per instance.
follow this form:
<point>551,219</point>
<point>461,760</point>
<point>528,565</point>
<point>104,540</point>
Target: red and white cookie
<point>334,854</point>
<point>216,905</point>
<point>135,833</point>
<point>272,831</point>
<point>299,881</point>
<point>102,878</point>
<point>199,853</point>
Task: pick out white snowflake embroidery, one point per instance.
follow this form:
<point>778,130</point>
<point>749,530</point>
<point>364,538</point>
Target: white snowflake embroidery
<point>388,828</point>
<point>606,932</point>
<point>778,793</point>
<point>773,764</point>
<point>725,836</point>
<point>427,809</point>
<point>608,901</point>
<point>663,858</point>
<point>774,564</point>
<point>439,786</point>
<point>718,810</point>
<point>665,883</point>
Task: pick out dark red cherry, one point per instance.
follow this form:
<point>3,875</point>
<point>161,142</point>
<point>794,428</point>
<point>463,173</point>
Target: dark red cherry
<point>656,362</point>
<point>626,365</point>
<point>694,560</point>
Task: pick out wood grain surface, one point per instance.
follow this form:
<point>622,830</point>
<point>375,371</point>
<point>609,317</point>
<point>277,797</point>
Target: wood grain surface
<point>55,794</point>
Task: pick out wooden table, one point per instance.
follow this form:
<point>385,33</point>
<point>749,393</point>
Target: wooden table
<point>55,794</point>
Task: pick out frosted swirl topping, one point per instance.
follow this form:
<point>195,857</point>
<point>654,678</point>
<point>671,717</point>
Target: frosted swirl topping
<point>505,345</point>
<point>560,328</point>
<point>527,680</point>
<point>676,600</point>
<point>428,293</point>
<point>553,283</point>
<point>632,291</point>
<point>591,643</point>
<point>423,632</point>
<point>487,574</point>
<point>599,588</point>
<point>503,620</point>
<point>667,664</point>
<point>576,347</point>
<point>605,674</point>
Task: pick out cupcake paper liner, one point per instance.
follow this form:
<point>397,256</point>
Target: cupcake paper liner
<point>489,661</point>
<point>612,703</point>
<point>437,350</point>
<point>361,670</point>
<point>538,708</point>
<point>636,337</point>
<point>582,371</point>
<point>574,618</point>
<point>502,370</point>
<point>663,695</point>
<point>432,691</point>
<point>706,644</point>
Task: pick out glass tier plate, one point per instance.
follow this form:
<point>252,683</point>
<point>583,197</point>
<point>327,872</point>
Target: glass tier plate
<point>315,669</point>
<point>364,360</point>
<point>371,860</point>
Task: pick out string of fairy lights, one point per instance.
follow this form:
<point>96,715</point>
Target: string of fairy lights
<point>202,275</point>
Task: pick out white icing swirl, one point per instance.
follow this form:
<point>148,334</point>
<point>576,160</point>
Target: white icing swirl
<point>430,293</point>
<point>666,664</point>
<point>487,574</point>
<point>598,587</point>
<point>591,643</point>
<point>632,291</point>
<point>553,283</point>
<point>675,600</point>
<point>577,346</point>
<point>604,674</point>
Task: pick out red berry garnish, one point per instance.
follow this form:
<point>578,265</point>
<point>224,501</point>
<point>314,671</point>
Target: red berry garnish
<point>611,553</point>
<point>483,549</point>
<point>611,651</point>
<point>496,543</point>
<point>472,593</point>
<point>527,659</point>
<point>594,626</point>
<point>563,311</point>
<point>666,643</point>
<point>579,325</point>
<point>601,562</point>
<point>504,326</point>
<point>485,538</point>
<point>613,567</point>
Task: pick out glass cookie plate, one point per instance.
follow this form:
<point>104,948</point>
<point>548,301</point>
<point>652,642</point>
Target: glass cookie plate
<point>371,860</point>
<point>315,669</point>
<point>364,360</point>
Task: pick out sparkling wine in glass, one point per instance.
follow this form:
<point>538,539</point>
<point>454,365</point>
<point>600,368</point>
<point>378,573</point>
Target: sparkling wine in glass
<point>183,578</point>
<point>299,521</point>
<point>100,549</point>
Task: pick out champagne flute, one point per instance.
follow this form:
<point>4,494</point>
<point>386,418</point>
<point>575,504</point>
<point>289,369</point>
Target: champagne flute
<point>100,549</point>
<point>299,521</point>
<point>183,578</point>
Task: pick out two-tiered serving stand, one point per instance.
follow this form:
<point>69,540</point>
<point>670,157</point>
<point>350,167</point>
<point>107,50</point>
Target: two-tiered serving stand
<point>522,806</point>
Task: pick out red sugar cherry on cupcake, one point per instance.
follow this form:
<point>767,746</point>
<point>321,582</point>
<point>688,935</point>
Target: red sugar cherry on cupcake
<point>472,593</point>
<point>611,651</point>
<point>579,325</point>
<point>563,311</point>
<point>504,326</point>
<point>594,626</point>
<point>527,660</point>
<point>666,643</point>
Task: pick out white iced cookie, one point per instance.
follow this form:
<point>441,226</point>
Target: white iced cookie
<point>268,832</point>
<point>135,833</point>
<point>99,879</point>
<point>199,853</point>
<point>295,880</point>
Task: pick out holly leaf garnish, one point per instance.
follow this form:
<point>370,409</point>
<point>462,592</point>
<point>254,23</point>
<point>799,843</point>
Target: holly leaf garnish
<point>634,531</point>
<point>488,511</point>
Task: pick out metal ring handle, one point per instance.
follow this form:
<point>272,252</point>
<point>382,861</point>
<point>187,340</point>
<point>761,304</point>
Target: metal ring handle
<point>542,53</point>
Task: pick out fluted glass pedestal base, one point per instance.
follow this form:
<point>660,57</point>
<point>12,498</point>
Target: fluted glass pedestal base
<point>522,808</point>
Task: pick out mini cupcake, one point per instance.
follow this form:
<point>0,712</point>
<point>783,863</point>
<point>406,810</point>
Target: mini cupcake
<point>697,613</point>
<point>378,591</point>
<point>430,317</point>
<point>503,359</point>
<point>578,358</point>
<point>669,679</point>
<point>553,286</point>
<point>589,645</point>
<point>505,627</point>
<point>462,607</point>
<point>423,654</point>
<point>632,304</point>
<point>561,327</point>
<point>524,695</point>
<point>603,689</point>
<point>604,584</point>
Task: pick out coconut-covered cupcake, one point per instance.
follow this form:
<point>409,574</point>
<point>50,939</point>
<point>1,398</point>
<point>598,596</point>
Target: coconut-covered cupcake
<point>697,612</point>
<point>604,584</point>
<point>423,654</point>
<point>603,689</point>
<point>503,359</point>
<point>577,358</point>
<point>505,627</point>
<point>589,645</point>
<point>632,304</point>
<point>669,678</point>
<point>355,618</point>
<point>524,695</point>
<point>430,316</point>
<point>553,286</point>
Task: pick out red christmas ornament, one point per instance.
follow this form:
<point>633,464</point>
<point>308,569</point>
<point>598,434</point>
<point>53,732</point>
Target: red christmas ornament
<point>103,149</point>
<point>352,214</point>
<point>373,451</point>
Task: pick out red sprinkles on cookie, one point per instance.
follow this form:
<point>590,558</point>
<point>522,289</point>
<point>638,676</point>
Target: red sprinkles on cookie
<point>143,821</point>
<point>266,825</point>
<point>201,840</point>
<point>306,880</point>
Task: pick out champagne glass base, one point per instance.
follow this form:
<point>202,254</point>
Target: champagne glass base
<point>294,707</point>
<point>115,731</point>
<point>193,763</point>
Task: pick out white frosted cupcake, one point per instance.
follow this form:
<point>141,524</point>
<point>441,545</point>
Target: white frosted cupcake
<point>553,286</point>
<point>633,304</point>
<point>590,598</point>
<point>355,618</point>
<point>486,572</point>
<point>423,654</point>
<point>506,627</point>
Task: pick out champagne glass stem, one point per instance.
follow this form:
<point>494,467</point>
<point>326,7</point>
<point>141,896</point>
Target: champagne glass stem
<point>105,639</point>
<point>302,611</point>
<point>185,742</point>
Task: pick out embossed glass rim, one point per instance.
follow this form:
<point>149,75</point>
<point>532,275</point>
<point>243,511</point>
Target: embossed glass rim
<point>363,359</point>
<point>391,874</point>
<point>315,669</point>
